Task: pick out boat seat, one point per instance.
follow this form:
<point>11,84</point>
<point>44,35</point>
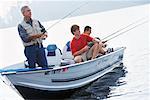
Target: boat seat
<point>53,55</point>
<point>67,57</point>
<point>66,53</point>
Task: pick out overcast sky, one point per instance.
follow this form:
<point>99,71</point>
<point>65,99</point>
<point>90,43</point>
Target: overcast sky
<point>46,10</point>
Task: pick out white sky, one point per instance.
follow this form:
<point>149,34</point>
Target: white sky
<point>10,9</point>
<point>6,5</point>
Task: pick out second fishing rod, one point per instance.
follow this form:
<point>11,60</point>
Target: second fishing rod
<point>125,29</point>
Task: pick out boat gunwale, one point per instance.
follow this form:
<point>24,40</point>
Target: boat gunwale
<point>35,70</point>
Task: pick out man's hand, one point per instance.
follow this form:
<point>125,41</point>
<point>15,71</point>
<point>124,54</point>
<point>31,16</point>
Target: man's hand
<point>104,41</point>
<point>35,36</point>
<point>44,36</point>
<point>86,48</point>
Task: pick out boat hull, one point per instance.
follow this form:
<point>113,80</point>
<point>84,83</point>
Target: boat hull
<point>34,94</point>
<point>44,83</point>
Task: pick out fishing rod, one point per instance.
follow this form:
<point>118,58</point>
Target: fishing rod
<point>127,30</point>
<point>123,28</point>
<point>66,15</point>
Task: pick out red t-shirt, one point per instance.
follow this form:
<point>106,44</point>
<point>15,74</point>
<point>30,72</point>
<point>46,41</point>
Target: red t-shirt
<point>78,44</point>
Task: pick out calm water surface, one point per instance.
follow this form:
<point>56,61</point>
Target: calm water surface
<point>127,82</point>
<point>130,81</point>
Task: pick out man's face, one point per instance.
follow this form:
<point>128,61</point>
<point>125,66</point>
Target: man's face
<point>27,13</point>
<point>77,32</point>
<point>89,31</point>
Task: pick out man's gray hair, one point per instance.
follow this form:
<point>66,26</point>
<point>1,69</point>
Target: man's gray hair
<point>23,9</point>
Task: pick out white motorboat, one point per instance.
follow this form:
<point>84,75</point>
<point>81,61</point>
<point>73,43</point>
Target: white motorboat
<point>40,82</point>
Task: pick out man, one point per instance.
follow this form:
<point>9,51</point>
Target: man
<point>87,31</point>
<point>80,48</point>
<point>32,33</point>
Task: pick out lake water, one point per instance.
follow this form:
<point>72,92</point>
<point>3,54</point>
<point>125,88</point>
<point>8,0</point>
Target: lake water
<point>130,82</point>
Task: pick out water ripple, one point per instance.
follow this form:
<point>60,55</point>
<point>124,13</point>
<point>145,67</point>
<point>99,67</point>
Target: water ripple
<point>100,89</point>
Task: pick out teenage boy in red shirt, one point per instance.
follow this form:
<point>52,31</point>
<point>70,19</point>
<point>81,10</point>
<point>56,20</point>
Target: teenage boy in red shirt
<point>80,48</point>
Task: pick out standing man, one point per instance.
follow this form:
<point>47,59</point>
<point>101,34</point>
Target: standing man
<point>32,33</point>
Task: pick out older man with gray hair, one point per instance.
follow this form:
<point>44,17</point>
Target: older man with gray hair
<point>32,33</point>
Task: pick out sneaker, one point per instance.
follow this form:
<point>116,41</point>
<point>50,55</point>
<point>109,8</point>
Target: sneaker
<point>99,55</point>
<point>109,50</point>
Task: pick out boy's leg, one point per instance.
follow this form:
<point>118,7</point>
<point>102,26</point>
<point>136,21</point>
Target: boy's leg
<point>78,59</point>
<point>101,49</point>
<point>93,52</point>
<point>95,48</point>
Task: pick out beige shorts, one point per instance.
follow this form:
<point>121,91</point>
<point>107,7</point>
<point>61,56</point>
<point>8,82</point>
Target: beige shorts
<point>87,55</point>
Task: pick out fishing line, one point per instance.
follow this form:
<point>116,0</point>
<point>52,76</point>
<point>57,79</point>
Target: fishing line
<point>66,15</point>
<point>124,28</point>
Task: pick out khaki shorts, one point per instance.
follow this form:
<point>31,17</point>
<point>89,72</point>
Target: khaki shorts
<point>87,55</point>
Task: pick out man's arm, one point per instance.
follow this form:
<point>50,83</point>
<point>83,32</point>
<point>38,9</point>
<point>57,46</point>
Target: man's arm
<point>26,37</point>
<point>86,48</point>
<point>23,34</point>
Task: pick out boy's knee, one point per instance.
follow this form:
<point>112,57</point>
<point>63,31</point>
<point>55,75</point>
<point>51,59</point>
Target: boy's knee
<point>100,44</point>
<point>78,59</point>
<point>96,45</point>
